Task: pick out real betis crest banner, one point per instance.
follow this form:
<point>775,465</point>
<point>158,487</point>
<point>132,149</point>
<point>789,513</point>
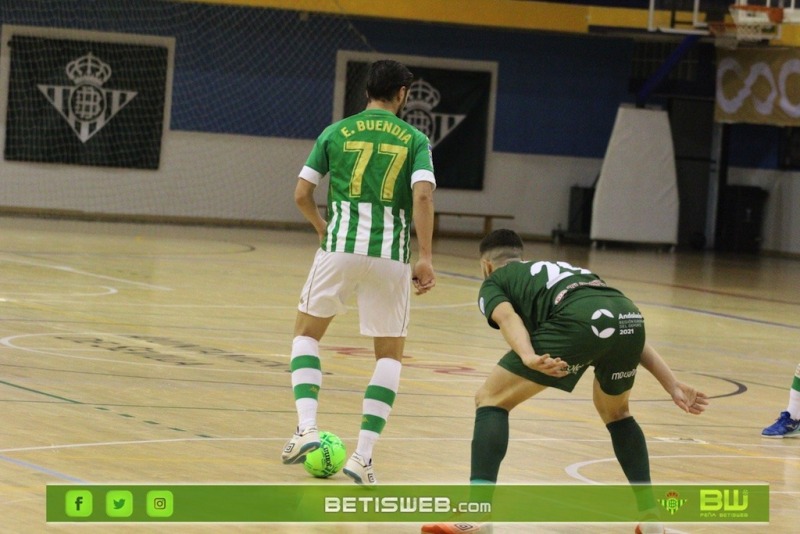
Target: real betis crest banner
<point>85,102</point>
<point>758,85</point>
<point>450,106</point>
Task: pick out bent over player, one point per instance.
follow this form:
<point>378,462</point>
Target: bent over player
<point>381,179</point>
<point>559,320</point>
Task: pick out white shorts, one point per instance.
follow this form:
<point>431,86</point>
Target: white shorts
<point>382,288</point>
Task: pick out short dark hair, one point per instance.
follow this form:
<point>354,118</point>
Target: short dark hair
<point>385,77</point>
<point>502,243</point>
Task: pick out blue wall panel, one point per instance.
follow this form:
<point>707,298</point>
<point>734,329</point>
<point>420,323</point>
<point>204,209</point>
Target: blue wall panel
<point>241,70</point>
<point>252,71</point>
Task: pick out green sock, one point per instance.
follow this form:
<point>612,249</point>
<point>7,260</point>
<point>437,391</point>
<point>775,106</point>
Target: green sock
<point>489,443</point>
<point>630,449</point>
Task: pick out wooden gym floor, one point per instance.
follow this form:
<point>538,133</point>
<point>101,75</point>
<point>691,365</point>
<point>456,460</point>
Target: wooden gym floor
<point>159,354</point>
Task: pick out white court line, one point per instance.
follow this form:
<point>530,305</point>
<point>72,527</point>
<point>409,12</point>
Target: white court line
<point>8,342</point>
<point>573,469</point>
<point>52,296</point>
<point>130,442</point>
<point>72,270</point>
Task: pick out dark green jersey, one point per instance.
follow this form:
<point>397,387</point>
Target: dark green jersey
<point>534,289</point>
<point>373,159</point>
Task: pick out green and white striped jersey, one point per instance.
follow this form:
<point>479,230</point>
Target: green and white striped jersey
<point>373,159</point>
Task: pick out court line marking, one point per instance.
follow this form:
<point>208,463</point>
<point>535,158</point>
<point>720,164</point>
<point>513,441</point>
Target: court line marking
<point>418,364</point>
<point>108,291</point>
<point>72,270</point>
<point>573,469</point>
<point>8,342</point>
<point>40,469</point>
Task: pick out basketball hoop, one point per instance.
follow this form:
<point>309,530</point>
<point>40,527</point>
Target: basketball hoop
<point>743,13</point>
<point>751,23</point>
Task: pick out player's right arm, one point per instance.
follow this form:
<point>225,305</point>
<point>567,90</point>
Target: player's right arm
<point>518,338</point>
<point>304,199</point>
<point>311,174</point>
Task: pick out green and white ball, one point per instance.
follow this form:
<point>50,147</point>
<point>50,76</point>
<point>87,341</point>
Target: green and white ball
<point>328,459</point>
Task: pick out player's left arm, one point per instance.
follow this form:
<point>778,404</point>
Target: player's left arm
<point>683,395</point>
<point>518,338</point>
<point>424,277</point>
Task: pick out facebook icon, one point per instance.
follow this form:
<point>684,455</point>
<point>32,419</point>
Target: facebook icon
<point>78,503</point>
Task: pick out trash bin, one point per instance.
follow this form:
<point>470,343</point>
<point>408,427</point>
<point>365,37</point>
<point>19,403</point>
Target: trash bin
<point>740,220</point>
<point>580,210</point>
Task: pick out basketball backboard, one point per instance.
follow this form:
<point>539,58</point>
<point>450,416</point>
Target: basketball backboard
<point>739,21</point>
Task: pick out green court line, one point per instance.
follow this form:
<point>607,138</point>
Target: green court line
<point>72,401</point>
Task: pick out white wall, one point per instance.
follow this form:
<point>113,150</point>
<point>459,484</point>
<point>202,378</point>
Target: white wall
<point>781,230</point>
<point>201,175</point>
<point>252,178</point>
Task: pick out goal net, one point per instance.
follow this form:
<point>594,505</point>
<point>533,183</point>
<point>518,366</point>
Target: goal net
<point>164,110</point>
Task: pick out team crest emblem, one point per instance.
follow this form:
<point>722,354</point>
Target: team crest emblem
<point>672,502</point>
<point>86,105</point>
<point>422,99</point>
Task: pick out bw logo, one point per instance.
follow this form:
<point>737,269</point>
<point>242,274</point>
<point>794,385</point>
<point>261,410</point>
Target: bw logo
<point>86,105</point>
<point>422,99</point>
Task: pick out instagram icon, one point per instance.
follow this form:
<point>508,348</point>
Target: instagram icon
<point>159,503</point>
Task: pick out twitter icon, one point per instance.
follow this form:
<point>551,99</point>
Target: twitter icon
<point>119,503</point>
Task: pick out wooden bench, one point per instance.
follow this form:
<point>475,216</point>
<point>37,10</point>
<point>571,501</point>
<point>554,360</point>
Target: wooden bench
<point>488,219</point>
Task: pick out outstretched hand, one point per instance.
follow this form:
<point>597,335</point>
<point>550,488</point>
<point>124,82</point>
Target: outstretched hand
<point>689,399</point>
<point>546,365</point>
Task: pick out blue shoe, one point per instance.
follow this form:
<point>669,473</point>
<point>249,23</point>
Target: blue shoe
<point>784,427</point>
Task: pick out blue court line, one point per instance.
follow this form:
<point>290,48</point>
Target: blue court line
<point>41,469</point>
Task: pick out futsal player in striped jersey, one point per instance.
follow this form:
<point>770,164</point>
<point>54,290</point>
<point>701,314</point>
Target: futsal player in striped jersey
<point>381,180</point>
<point>788,423</point>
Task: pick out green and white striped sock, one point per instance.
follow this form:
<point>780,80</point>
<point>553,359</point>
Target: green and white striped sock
<point>306,379</point>
<point>794,396</point>
<point>378,400</point>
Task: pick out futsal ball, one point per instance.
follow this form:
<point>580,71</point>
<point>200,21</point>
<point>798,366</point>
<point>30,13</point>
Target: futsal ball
<point>328,459</point>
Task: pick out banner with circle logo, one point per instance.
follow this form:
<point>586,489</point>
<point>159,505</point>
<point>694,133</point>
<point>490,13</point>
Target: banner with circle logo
<point>758,86</point>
